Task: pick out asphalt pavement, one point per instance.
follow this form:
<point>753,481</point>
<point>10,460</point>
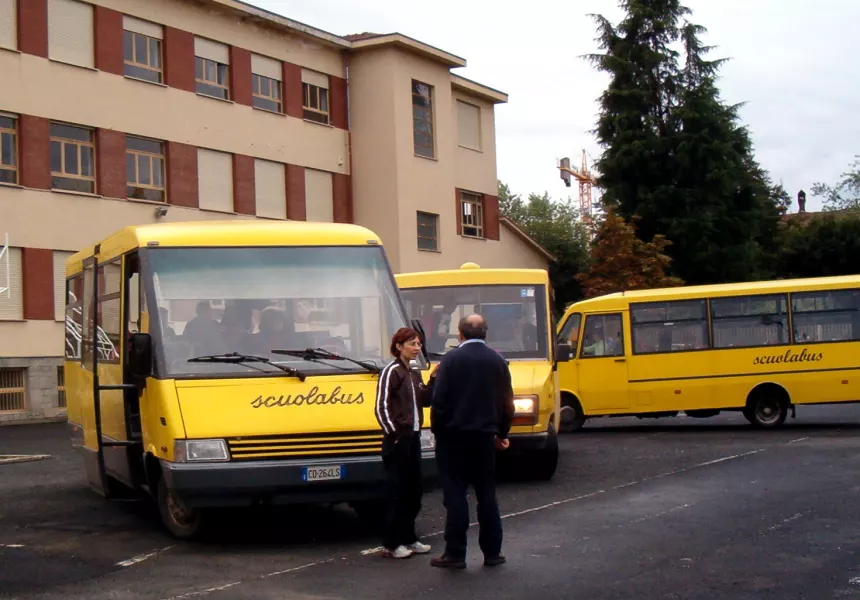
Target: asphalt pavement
<point>659,509</point>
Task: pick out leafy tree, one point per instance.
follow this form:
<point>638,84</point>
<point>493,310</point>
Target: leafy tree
<point>780,198</point>
<point>674,155</point>
<point>846,193</point>
<point>621,261</point>
<point>820,245</point>
<point>554,225</point>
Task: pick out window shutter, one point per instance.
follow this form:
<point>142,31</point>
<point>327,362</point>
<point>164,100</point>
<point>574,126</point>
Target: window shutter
<point>8,25</point>
<point>215,180</point>
<point>319,196</point>
<point>270,182</point>
<point>212,50</point>
<point>70,32</point>
<point>11,300</point>
<point>267,67</point>
<point>469,125</point>
<point>315,78</point>
<point>60,284</point>
<point>142,27</point>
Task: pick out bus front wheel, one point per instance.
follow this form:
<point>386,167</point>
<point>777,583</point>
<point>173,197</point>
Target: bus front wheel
<point>572,415</point>
<point>183,522</point>
<point>767,407</point>
<point>546,461</point>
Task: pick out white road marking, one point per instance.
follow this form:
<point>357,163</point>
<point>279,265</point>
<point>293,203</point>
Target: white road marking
<point>785,522</point>
<point>294,569</point>
<point>11,545</point>
<point>6,459</point>
<point>141,557</point>
<point>206,591</point>
<point>227,586</point>
<point>797,440</point>
<point>854,581</point>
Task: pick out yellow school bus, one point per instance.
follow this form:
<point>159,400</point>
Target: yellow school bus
<point>231,363</point>
<point>760,348</point>
<point>516,305</point>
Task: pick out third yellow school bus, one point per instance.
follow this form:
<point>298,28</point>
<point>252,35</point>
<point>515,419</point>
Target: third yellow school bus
<point>760,348</point>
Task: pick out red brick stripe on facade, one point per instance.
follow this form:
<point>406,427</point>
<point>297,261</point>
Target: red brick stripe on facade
<point>342,198</point>
<point>296,203</point>
<point>458,211</point>
<point>35,145</point>
<point>491,217</point>
<point>240,75</point>
<point>244,191</point>
<point>33,27</point>
<point>182,175</point>
<point>179,59</point>
<point>293,90</point>
<point>110,163</point>
<point>37,269</point>
<point>108,42</point>
<point>339,105</point>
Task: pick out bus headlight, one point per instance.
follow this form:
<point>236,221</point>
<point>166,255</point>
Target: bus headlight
<point>428,440</point>
<point>525,410</point>
<point>200,451</point>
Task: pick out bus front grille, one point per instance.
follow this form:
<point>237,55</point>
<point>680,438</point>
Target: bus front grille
<point>305,446</point>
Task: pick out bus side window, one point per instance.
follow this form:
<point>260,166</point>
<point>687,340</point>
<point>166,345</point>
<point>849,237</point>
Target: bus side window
<point>603,336</point>
<point>570,332</point>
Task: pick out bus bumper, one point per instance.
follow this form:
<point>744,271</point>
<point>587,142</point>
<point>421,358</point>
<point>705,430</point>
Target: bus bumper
<point>522,443</point>
<point>282,482</point>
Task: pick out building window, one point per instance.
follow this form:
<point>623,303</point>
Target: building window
<point>428,231</point>
<point>8,149</point>
<point>70,32</point>
<point>315,97</point>
<point>144,162</point>
<point>472,214</point>
<point>422,119</point>
<point>142,49</point>
<point>468,125</point>
<point>8,24</point>
<point>13,390</point>
<point>11,305</point>
<point>270,189</point>
<point>61,387</point>
<point>266,88</point>
<point>319,196</point>
<point>215,180</point>
<point>73,155</point>
<point>212,68</point>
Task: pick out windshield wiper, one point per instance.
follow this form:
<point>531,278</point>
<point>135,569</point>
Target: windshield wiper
<point>244,359</point>
<point>314,354</point>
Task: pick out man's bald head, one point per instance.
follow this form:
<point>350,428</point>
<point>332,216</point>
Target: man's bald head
<point>473,327</point>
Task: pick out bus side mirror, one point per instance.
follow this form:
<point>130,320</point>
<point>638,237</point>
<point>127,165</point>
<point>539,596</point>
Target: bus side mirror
<point>422,337</point>
<point>140,355</point>
<point>563,352</point>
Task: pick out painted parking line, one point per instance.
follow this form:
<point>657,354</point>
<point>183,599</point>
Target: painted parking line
<point>6,459</point>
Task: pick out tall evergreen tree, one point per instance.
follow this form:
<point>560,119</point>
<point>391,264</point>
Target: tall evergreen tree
<point>674,154</point>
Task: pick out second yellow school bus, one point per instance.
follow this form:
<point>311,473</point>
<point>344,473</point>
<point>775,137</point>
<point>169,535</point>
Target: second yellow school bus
<point>760,348</point>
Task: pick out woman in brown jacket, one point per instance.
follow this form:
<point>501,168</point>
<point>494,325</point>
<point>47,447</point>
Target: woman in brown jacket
<point>400,396</point>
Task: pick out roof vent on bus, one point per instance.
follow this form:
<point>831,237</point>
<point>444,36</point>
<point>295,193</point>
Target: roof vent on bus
<point>470,265</point>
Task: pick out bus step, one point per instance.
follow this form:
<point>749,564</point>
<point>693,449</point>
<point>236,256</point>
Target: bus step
<point>120,386</point>
<point>121,443</point>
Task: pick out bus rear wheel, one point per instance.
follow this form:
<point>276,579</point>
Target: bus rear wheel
<point>183,522</point>
<point>767,408</point>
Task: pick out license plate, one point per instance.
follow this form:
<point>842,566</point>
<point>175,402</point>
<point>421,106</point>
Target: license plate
<point>322,473</point>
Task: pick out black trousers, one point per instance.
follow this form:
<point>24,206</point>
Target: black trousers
<point>464,459</point>
<point>402,462</point>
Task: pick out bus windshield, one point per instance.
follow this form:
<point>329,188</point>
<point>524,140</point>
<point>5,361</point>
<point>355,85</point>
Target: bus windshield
<point>516,316</point>
<point>250,301</point>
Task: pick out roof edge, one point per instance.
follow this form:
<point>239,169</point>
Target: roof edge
<point>408,43</point>
<point>527,238</point>
<point>480,90</point>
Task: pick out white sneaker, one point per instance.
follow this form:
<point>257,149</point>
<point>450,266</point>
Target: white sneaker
<point>419,548</point>
<point>399,552</point>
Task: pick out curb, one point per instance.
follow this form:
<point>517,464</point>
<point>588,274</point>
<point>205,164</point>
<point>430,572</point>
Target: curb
<point>6,459</point>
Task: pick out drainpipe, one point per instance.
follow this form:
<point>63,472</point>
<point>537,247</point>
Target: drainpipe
<point>349,135</point>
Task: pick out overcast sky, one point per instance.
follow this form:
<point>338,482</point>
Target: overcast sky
<point>790,62</point>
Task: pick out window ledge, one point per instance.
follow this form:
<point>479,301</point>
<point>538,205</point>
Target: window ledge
<point>12,50</point>
<point>271,112</point>
<point>74,193</point>
<point>148,202</point>
<point>225,100</point>
<point>146,81</point>
<point>219,211</point>
<point>473,237</point>
<point>430,251</point>
<point>312,122</point>
<point>22,320</point>
<point>14,186</point>
<point>433,158</point>
<point>478,150</point>
<point>75,65</point>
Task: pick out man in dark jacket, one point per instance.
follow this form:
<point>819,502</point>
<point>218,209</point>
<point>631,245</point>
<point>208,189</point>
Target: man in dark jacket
<point>471,414</point>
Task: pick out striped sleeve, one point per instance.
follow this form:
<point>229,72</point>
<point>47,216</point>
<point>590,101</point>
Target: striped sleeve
<point>383,392</point>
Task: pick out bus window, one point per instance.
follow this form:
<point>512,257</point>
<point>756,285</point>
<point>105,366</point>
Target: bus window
<point>749,321</point>
<point>603,336</point>
<point>570,332</point>
<point>669,326</point>
<point>826,316</point>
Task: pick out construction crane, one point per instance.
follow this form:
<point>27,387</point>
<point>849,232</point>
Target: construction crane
<point>586,182</point>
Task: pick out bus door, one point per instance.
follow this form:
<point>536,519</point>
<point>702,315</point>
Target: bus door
<point>113,397</point>
<point>602,364</point>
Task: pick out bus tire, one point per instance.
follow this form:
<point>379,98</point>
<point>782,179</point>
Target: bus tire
<point>546,460</point>
<point>572,417</point>
<point>767,406</point>
<point>181,522</point>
